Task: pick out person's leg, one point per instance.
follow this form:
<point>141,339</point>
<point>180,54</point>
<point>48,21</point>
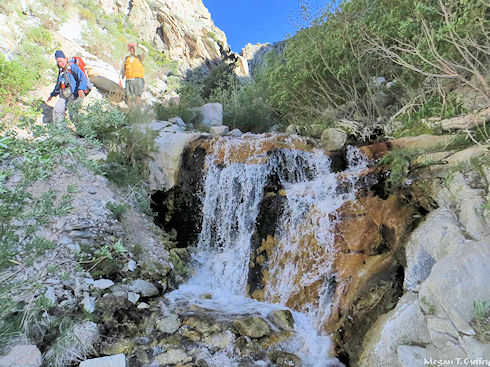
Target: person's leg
<point>59,110</point>
<point>73,110</point>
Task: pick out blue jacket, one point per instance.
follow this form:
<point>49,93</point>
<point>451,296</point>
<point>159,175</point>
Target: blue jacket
<point>76,80</point>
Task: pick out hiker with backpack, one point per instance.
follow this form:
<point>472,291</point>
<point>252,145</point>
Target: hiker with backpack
<point>72,85</point>
<point>134,72</point>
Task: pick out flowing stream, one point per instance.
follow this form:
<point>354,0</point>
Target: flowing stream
<point>231,197</point>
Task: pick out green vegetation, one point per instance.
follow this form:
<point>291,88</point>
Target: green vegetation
<point>244,104</point>
<point>399,163</point>
<point>481,320</point>
<point>427,48</point>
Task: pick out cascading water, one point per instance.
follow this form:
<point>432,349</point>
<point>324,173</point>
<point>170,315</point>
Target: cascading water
<point>232,194</point>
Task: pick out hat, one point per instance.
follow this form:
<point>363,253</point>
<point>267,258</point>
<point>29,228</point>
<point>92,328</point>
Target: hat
<point>59,55</point>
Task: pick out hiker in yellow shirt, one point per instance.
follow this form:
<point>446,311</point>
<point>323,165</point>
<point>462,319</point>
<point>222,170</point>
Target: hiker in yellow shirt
<point>134,72</point>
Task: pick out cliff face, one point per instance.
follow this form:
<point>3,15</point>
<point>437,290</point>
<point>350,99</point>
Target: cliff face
<point>183,29</point>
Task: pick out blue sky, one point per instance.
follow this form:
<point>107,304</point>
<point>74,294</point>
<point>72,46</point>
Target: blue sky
<point>254,21</point>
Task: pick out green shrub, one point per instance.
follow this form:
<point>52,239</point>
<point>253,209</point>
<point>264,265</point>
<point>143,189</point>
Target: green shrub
<point>417,123</point>
<point>399,165</point>
<point>15,80</point>
<point>129,145</point>
<point>244,106</point>
<point>331,63</point>
<point>40,36</point>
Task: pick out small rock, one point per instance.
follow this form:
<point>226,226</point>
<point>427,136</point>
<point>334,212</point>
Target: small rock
<point>292,129</point>
<point>51,295</point>
<point>169,324</point>
<point>219,130</point>
<point>146,289</point>
<point>284,359</point>
<point>173,356</point>
<point>88,303</point>
<point>22,356</point>
<point>132,265</point>
<point>219,340</point>
<point>236,133</point>
<point>143,306</point>
<point>283,319</point>
<point>103,283</point>
<point>253,327</point>
<point>119,291</point>
<point>133,297</point>
<point>118,360</point>
<point>75,247</point>
<point>334,138</point>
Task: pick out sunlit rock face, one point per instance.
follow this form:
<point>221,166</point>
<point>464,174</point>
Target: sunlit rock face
<point>182,29</point>
<point>344,279</point>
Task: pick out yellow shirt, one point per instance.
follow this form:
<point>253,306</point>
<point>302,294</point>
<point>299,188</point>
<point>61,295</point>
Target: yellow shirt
<point>133,68</point>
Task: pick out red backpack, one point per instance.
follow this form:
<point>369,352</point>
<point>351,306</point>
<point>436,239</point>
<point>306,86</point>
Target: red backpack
<point>77,60</point>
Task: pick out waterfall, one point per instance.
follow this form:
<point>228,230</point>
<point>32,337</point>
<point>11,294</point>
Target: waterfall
<point>306,232</point>
<point>233,190</point>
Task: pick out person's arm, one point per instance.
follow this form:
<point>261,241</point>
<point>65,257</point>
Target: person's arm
<point>80,78</point>
<point>144,50</point>
<point>56,89</point>
<point>122,73</point>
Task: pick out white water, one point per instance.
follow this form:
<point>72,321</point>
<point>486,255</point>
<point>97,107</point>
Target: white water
<point>230,207</point>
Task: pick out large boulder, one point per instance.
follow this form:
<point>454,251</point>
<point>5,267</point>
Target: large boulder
<point>404,325</point>
<point>469,203</point>
<point>211,114</point>
<point>166,159</point>
<point>456,282</point>
<point>436,237</point>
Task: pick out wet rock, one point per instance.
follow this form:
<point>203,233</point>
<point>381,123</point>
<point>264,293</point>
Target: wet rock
<point>169,324</point>
<point>282,319</point>
<point>118,360</point>
<point>190,334</point>
<point>123,346</point>
<point>22,356</point>
<point>246,346</point>
<point>220,130</point>
<point>284,359</point>
<point>334,138</point>
<point>201,325</point>
<point>236,133</point>
<point>144,288</point>
<point>219,340</point>
<point>253,327</point>
<point>173,356</point>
